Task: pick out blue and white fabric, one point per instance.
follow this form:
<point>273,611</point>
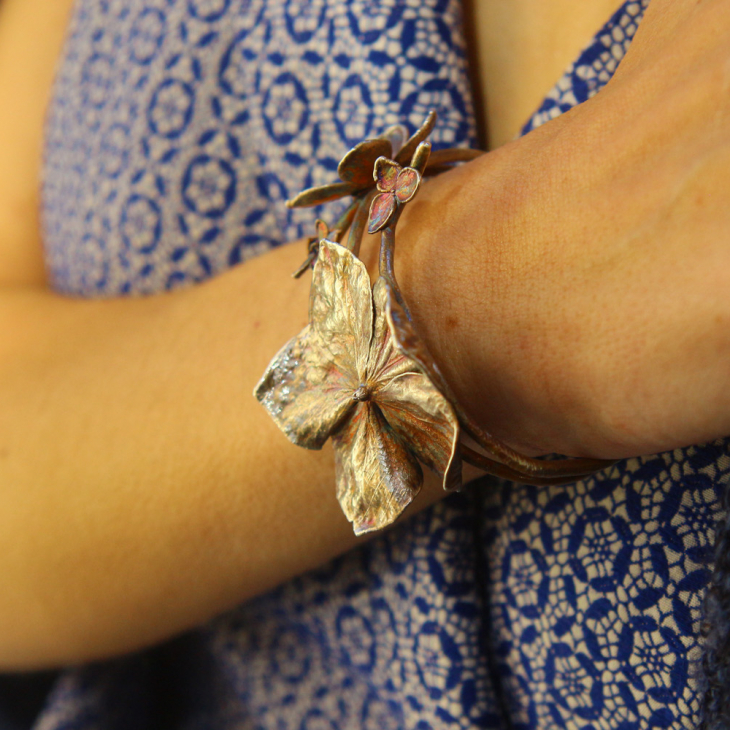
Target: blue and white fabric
<point>177,130</point>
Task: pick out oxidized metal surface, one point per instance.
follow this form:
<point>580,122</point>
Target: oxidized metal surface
<point>356,167</point>
<point>359,373</point>
<point>396,185</point>
<point>343,377</point>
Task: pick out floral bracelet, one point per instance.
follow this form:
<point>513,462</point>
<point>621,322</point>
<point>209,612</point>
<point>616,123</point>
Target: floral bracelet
<point>358,372</point>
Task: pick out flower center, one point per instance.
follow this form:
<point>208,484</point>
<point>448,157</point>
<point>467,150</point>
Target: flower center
<point>362,393</point>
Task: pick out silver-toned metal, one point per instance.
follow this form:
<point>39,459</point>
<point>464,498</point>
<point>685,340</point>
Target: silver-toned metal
<point>343,377</point>
<point>360,374</point>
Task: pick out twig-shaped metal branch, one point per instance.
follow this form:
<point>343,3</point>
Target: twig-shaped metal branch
<point>336,234</point>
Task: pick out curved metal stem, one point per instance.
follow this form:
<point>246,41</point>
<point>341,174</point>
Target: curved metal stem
<point>454,154</point>
<point>386,261</point>
<point>359,222</point>
<point>345,220</point>
<point>495,468</point>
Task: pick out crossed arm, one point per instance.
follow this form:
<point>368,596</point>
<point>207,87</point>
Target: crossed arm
<point>572,285</point>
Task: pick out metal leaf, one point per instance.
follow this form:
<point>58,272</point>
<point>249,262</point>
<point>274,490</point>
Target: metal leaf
<point>356,167</point>
<point>404,156</point>
<point>421,156</point>
<point>397,136</point>
<point>322,194</point>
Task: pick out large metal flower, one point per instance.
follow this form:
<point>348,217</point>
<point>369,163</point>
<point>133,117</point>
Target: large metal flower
<point>344,377</point>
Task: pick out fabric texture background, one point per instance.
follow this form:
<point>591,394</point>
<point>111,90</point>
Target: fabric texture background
<point>177,130</point>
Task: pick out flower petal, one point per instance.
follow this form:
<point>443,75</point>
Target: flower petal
<point>385,174</point>
<point>305,391</point>
<point>377,476</point>
<point>405,337</point>
<point>397,135</point>
<point>319,195</point>
<point>356,167</point>
<point>381,211</point>
<point>406,186</point>
<point>410,344</point>
<point>425,420</point>
<point>385,360</point>
<point>341,307</point>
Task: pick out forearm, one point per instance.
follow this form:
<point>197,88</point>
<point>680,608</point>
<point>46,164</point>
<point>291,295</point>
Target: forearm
<point>143,489</point>
<point>573,284</point>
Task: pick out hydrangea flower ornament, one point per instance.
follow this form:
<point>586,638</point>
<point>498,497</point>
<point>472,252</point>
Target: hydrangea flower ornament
<point>359,374</point>
<point>343,377</point>
<point>396,185</point>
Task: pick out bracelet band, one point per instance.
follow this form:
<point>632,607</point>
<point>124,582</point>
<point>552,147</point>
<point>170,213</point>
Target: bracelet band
<point>359,374</point>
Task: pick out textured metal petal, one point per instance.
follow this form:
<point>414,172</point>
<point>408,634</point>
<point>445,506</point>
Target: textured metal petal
<point>341,306</point>
<point>356,167</point>
<point>377,476</point>
<point>409,401</point>
<point>321,194</point>
<point>385,174</point>
<point>305,391</point>
<point>406,186</point>
<point>425,420</point>
<point>381,211</point>
<point>405,337</point>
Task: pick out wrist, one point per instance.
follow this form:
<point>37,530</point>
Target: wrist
<point>471,262</point>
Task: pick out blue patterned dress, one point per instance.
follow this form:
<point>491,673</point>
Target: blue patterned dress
<point>177,130</point>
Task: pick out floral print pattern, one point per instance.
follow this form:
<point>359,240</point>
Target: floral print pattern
<point>504,606</point>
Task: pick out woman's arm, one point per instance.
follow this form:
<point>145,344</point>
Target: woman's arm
<point>142,488</point>
<point>31,36</point>
<point>574,284</point>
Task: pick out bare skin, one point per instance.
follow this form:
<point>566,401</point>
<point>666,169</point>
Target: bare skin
<point>601,323</point>
<point>572,285</point>
<point>520,48</point>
